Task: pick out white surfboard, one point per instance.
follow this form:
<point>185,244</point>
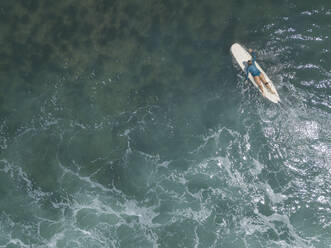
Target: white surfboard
<point>242,56</point>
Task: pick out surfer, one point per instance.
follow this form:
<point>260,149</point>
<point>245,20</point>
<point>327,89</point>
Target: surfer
<point>257,75</point>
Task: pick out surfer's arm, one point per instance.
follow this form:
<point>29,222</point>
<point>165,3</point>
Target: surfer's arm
<point>247,72</point>
<point>253,57</point>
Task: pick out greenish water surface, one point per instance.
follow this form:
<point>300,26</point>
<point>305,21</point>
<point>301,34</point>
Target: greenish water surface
<point>126,124</point>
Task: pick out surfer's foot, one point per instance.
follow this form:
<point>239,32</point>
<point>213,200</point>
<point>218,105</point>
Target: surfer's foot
<point>263,94</point>
<point>272,91</point>
<point>269,88</point>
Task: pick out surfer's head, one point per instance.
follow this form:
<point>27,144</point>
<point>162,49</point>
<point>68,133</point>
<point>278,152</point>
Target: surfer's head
<point>249,62</point>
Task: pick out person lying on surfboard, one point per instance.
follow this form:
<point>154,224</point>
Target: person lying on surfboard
<point>257,75</point>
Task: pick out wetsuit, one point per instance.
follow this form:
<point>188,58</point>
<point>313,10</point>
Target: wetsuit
<point>252,68</point>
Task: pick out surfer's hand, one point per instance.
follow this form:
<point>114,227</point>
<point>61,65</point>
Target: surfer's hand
<point>250,50</point>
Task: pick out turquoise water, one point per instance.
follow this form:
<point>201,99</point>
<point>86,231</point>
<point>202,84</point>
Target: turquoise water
<point>126,124</point>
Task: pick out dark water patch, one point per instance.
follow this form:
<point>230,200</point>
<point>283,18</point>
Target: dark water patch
<point>228,36</point>
<point>154,34</point>
<point>134,110</point>
<point>30,5</point>
<point>180,234</point>
<point>41,153</point>
<point>107,35</point>
<point>131,9</point>
<point>129,177</point>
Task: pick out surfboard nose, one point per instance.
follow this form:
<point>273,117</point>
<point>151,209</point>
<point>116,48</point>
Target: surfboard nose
<point>234,46</point>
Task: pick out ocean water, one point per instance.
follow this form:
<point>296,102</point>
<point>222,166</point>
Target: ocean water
<point>126,124</point>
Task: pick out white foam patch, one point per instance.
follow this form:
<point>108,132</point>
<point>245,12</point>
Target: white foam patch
<point>18,242</point>
<point>257,167</point>
<point>270,222</point>
<point>199,216</point>
<point>55,239</point>
<point>308,129</point>
<point>214,136</point>
<point>3,134</point>
<point>274,197</point>
<point>145,214</point>
<point>86,179</point>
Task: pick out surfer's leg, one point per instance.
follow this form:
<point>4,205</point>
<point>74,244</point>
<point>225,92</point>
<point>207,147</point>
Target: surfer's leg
<point>258,82</point>
<point>266,83</point>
